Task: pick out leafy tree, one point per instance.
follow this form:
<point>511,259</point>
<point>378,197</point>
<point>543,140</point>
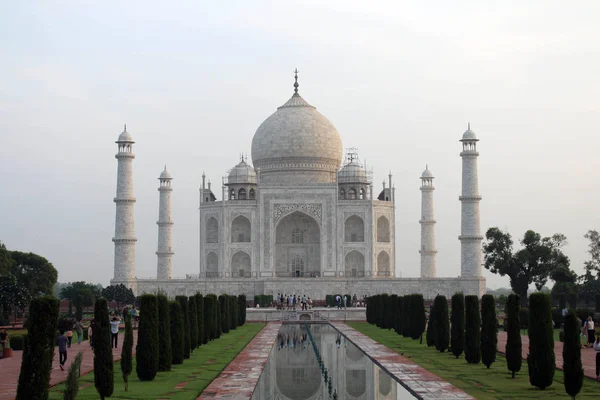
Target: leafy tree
<point>127,352</point>
<point>572,366</point>
<point>193,317</point>
<point>472,333</point>
<point>6,261</point>
<point>80,294</point>
<point>34,272</point>
<point>177,341</point>
<point>442,324</point>
<point>489,330</point>
<point>532,264</point>
<point>147,349</point>
<point>72,382</point>
<point>514,347</point>
<point>165,356</point>
<point>119,293</point>
<point>12,294</point>
<point>38,351</point>
<point>540,360</point>
<point>103,358</point>
<point>593,265</point>
<point>185,313</point>
<point>200,317</point>
<point>458,324</point>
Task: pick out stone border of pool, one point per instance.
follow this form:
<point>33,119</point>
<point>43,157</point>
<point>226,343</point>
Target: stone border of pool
<point>239,379</point>
<point>417,380</point>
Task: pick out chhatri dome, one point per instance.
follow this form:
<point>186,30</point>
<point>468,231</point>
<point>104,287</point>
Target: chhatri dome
<point>242,173</point>
<point>165,174</point>
<point>427,173</point>
<point>125,136</point>
<point>296,143</point>
<point>469,134</point>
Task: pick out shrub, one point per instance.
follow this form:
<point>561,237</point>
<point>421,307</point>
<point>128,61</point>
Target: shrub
<point>200,318</point>
<point>398,318</point>
<point>431,331</point>
<point>329,301</point>
<point>368,310</point>
<point>103,358</point>
<point>127,352</point>
<point>38,349</point>
<point>489,330</point>
<point>193,317</point>
<point>472,333</point>
<point>573,370</point>
<point>147,349</point>
<point>406,316</point>
<point>514,346</point>
<point>458,324</point>
<point>242,309</point>
<point>185,314</point>
<point>233,312</point>
<point>165,352</point>
<point>224,311</point>
<point>177,340</point>
<point>418,318</point>
<point>210,312</point>
<point>540,360</point>
<point>17,342</point>
<point>381,310</point>
<point>390,311</point>
<point>442,324</point>
<point>72,382</point>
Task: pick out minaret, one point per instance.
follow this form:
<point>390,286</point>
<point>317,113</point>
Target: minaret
<point>427,221</point>
<point>124,224</point>
<point>470,231</point>
<point>165,228</point>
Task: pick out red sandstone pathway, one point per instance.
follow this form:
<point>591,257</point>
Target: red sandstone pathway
<point>10,367</point>
<point>588,356</point>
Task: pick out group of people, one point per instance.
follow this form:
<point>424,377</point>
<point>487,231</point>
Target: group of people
<point>290,302</point>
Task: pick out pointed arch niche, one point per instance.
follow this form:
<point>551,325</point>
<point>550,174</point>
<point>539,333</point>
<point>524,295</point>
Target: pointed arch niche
<point>297,243</point>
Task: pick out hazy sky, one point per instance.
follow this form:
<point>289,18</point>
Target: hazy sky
<point>193,81</point>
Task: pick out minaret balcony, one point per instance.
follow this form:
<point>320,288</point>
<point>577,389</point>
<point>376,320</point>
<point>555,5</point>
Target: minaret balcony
<point>127,200</point>
<point>470,237</point>
<point>124,240</point>
<point>428,252</point>
<point>469,153</point>
<point>164,253</point>
<point>475,197</point>
<point>164,223</point>
<point>124,155</point>
<point>427,221</point>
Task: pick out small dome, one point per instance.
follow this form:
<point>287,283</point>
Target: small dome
<point>242,173</point>
<point>427,173</point>
<point>352,173</point>
<point>165,174</point>
<point>125,136</point>
<point>469,134</point>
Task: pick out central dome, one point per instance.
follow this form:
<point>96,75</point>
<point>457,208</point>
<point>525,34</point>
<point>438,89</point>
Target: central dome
<point>297,144</point>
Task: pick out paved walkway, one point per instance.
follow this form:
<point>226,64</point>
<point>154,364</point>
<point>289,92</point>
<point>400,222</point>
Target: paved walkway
<point>588,356</point>
<point>11,367</point>
<point>418,380</point>
<point>241,376</point>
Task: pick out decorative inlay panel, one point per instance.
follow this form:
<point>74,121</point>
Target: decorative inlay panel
<point>280,210</point>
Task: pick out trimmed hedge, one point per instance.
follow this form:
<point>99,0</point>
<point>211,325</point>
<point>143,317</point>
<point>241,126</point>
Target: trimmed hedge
<point>431,331</point>
<point>200,318</point>
<point>193,317</point>
<point>573,369</point>
<point>442,323</point>
<point>210,317</point>
<point>472,333</point>
<point>406,316</point>
<point>418,319</point>
<point>103,359</point>
<point>127,352</point>
<point>17,342</point>
<point>165,353</point>
<point>398,317</point>
<point>489,330</point>
<point>185,314</point>
<point>264,300</point>
<point>177,335</point>
<point>147,349</point>
<point>457,334</point>
<point>233,312</point>
<point>224,311</point>
<point>242,309</point>
<point>541,359</point>
<point>514,345</point>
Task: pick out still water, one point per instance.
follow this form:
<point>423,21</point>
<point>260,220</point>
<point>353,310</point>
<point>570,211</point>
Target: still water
<point>317,362</point>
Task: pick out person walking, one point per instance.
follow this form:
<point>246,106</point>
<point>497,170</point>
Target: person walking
<point>62,342</point>
<point>79,329</point>
<point>91,332</point>
<point>69,336</point>
<point>345,300</point>
<point>114,330</point>
<point>597,348</point>
<point>590,331</point>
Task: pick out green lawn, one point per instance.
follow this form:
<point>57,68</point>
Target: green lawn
<point>475,379</point>
<point>205,364</point>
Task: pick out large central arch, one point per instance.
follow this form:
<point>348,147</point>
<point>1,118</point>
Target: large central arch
<point>297,246</point>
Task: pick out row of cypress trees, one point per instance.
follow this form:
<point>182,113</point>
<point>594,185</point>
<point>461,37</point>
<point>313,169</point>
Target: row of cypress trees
<point>404,314</point>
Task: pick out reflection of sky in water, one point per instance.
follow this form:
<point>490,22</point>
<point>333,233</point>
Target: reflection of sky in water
<point>293,371</point>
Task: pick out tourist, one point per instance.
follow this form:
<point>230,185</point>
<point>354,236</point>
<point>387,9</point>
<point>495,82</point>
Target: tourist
<point>597,348</point>
<point>294,300</point>
<point>3,338</point>
<point>91,332</point>
<point>79,329</point>
<point>62,341</point>
<point>309,303</point>
<point>338,301</point>
<point>304,302</point>
<point>114,330</point>
<point>345,300</point>
<point>590,331</point>
<point>69,336</point>
<point>354,301</point>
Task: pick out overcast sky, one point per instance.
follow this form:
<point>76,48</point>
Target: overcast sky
<point>193,81</point>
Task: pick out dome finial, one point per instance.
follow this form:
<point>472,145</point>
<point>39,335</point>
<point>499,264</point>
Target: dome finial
<point>468,125</point>
<point>296,81</point>
<point>125,128</point>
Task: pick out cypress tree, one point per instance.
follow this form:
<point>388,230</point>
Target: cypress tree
<point>514,347</point>
<point>431,331</point>
<point>38,349</point>
<point>146,351</point>
<point>185,314</point>
<point>103,358</point>
<point>383,303</point>
<point>223,313</point>
<point>458,324</point>
<point>398,319</point>
<point>368,310</point>
<point>540,360</point>
<point>177,341</point>
<point>406,315</point>
<point>242,308</point>
<point>572,367</point>
<point>193,311</point>
<point>391,311</point>
<point>209,318</point>
<point>489,330</point>
<point>200,309</point>
<point>472,332</point>
<point>72,382</point>
<point>442,324</point>
<point>165,352</point>
<point>418,326</point>
<point>217,311</point>
<point>127,352</point>
<point>233,311</point>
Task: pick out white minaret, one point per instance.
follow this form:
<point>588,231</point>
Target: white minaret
<point>165,228</point>
<point>428,251</point>
<point>124,224</point>
<point>470,231</point>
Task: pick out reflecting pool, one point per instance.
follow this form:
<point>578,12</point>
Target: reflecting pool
<point>317,362</point>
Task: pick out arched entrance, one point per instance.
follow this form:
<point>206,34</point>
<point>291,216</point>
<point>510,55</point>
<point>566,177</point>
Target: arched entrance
<point>297,246</point>
<point>354,265</point>
<point>241,266</point>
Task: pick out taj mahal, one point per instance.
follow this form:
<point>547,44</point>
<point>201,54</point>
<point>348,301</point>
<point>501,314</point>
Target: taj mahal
<point>302,217</point>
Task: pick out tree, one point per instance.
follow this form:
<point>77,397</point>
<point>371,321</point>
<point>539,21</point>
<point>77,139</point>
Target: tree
<point>572,366</point>
<point>193,311</point>
<point>6,261</point>
<point>210,320</point>
<point>406,314</point>
<point>417,326</point>
<point>38,350</point>
<point>514,347</point>
<point>80,294</point>
<point>472,333</point>
<point>390,311</point>
<point>103,358</point>
<point>177,341</point>
<point>242,308</point>
<point>593,265</point>
<point>165,356</point>
<point>224,314</point>
<point>72,382</point>
<point>146,351</point>
<point>12,294</point>
<point>200,317</point>
<point>431,329</point>
<point>489,330</point>
<point>442,324</point>
<point>540,360</point>
<point>458,324</point>
<point>532,264</point>
<point>127,352</point>
<point>119,293</point>
<point>34,272</point>
<point>398,318</point>
<point>233,312</point>
<point>185,313</point>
